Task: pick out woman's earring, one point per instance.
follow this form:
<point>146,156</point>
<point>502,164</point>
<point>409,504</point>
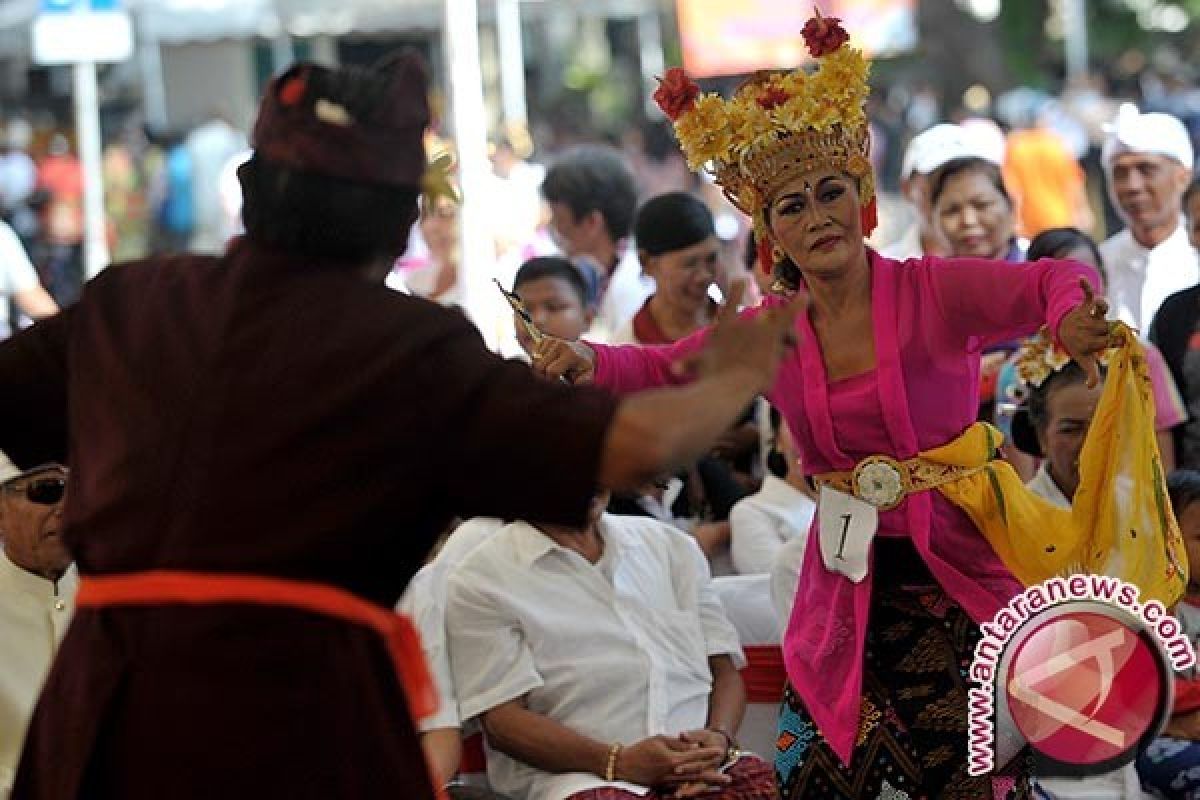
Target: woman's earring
<point>777,254</point>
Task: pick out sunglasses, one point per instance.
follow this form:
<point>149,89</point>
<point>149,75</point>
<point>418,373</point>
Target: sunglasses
<point>44,491</point>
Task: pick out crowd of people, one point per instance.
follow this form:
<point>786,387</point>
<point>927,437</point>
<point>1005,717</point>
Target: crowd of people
<point>228,492</point>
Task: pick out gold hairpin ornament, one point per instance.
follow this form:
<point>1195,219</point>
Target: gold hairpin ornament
<point>518,307</point>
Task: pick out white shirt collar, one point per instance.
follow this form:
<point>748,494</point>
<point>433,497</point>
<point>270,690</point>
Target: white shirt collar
<point>1044,486</point>
<point>1177,240</point>
<point>778,492</point>
<point>531,544</point>
<point>35,586</point>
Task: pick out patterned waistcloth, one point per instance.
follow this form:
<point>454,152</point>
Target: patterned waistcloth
<point>912,735</point>
<point>753,779</point>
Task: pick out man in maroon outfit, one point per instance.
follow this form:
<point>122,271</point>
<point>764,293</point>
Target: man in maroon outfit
<point>277,414</point>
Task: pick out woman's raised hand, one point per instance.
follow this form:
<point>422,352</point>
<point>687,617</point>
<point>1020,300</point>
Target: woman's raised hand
<point>559,359</point>
<point>1085,333</point>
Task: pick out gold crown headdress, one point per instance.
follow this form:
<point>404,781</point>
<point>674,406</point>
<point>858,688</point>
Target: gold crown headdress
<point>779,124</point>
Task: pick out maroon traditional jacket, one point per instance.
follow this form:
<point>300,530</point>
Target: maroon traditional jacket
<point>262,414</point>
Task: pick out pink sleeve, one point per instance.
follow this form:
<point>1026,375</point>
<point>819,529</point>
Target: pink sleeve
<point>1169,409</point>
<point>624,369</point>
<point>998,301</point>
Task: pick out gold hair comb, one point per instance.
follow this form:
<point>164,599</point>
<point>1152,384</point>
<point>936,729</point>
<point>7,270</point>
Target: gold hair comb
<point>518,307</point>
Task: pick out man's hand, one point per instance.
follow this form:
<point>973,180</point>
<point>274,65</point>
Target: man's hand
<point>668,759</point>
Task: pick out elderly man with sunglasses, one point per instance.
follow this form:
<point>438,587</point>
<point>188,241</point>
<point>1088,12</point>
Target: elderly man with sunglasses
<point>37,593</point>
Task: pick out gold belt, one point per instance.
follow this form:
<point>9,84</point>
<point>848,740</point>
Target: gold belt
<point>884,482</point>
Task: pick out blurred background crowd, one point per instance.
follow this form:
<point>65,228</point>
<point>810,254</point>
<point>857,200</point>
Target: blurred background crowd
<point>1046,74</point>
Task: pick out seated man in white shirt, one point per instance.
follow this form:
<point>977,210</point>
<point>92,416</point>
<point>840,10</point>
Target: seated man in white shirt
<point>780,511</point>
<point>19,283</point>
<point>424,601</point>
<point>37,595</point>
<point>600,664</point>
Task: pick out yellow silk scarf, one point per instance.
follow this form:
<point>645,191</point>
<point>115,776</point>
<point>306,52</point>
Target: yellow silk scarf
<point>1120,522</point>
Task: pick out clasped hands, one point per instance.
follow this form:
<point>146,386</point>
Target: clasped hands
<point>691,763</point>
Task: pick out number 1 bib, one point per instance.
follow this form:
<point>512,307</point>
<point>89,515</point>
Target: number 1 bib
<point>846,526</point>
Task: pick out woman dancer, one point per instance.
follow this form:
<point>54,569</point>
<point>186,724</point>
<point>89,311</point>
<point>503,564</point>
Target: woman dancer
<point>883,385</point>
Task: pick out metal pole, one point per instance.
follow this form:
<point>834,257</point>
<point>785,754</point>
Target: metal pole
<point>512,62</point>
<point>469,119</point>
<point>87,129</point>
<point>154,95</point>
<point>1075,38</point>
<point>283,54</point>
<point>651,57</point>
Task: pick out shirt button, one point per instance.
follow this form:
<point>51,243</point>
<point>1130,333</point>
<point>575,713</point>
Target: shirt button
<point>59,605</point>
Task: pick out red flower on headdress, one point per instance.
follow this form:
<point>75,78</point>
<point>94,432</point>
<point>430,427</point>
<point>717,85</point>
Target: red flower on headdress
<point>676,93</point>
<point>823,35</point>
<point>773,98</point>
<point>292,91</point>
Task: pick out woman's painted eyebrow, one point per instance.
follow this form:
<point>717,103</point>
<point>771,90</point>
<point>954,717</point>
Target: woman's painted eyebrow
<point>820,183</point>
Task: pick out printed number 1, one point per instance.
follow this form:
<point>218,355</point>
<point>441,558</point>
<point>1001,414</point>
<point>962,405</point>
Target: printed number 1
<point>845,530</point>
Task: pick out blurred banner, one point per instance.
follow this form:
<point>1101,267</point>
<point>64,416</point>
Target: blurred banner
<point>732,37</point>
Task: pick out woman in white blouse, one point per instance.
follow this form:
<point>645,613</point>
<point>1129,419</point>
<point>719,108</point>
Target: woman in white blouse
<point>780,511</point>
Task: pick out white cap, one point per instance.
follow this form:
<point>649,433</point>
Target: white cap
<point>940,145</point>
<point>1153,134</point>
<point>986,139</point>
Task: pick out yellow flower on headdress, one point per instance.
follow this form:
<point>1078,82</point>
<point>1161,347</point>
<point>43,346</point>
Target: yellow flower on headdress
<point>751,125</point>
<point>704,131</point>
<point>765,132</point>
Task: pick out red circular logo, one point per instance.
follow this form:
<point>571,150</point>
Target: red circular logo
<point>1084,688</point>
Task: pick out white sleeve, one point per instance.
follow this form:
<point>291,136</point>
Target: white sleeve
<point>16,272</point>
<point>720,637</point>
<point>422,605</point>
<point>785,577</point>
<point>754,538</point>
<point>489,657</point>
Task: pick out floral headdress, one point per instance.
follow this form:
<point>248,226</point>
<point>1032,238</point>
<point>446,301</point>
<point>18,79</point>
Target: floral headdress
<point>779,124</point>
<point>1039,357</point>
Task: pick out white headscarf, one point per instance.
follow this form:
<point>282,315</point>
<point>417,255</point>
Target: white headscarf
<point>1154,134</point>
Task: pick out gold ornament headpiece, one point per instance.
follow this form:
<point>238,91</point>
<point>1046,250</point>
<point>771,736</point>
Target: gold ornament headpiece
<point>779,124</point>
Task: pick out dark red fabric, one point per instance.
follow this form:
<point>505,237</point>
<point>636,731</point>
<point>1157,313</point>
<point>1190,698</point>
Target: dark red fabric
<point>166,587</point>
<point>260,414</point>
<point>645,329</point>
<point>296,129</point>
<point>753,779</point>
<point>1187,696</point>
<point>765,675</point>
<point>474,758</point>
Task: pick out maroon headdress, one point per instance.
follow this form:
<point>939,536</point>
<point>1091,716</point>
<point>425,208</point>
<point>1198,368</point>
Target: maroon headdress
<point>365,125</point>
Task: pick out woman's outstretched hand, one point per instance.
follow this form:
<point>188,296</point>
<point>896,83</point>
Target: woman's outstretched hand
<point>558,359</point>
<point>756,345</point>
<point>1085,333</point>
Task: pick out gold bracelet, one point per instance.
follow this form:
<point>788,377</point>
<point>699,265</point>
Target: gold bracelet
<point>610,771</point>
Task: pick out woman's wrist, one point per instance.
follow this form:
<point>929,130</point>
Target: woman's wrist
<point>730,743</point>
